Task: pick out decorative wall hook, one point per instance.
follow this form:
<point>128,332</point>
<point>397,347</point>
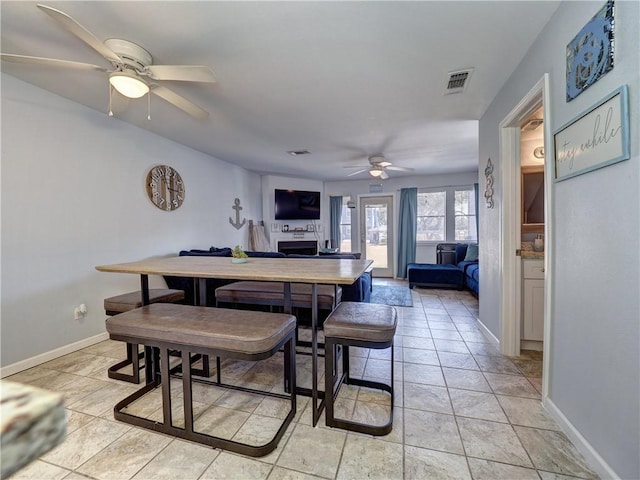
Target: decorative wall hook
<point>238,224</point>
<point>488,192</point>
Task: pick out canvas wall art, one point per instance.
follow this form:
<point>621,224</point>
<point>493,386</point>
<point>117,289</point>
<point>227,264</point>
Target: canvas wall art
<point>590,53</point>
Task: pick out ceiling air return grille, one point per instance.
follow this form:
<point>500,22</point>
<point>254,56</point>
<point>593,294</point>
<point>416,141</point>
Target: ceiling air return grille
<point>458,81</point>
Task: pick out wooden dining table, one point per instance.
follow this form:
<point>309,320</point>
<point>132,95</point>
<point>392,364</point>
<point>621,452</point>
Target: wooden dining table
<point>287,270</point>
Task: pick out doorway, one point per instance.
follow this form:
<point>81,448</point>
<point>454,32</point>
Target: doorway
<point>511,218</point>
<point>376,233</point>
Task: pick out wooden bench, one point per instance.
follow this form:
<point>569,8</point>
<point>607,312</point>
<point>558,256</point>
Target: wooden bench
<point>272,294</point>
<point>362,325</point>
<point>124,303</point>
<point>220,332</point>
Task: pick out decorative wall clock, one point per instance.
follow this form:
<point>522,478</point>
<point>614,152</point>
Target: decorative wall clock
<point>165,187</point>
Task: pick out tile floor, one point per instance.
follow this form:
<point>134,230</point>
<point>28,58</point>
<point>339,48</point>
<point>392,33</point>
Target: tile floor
<point>462,411</point>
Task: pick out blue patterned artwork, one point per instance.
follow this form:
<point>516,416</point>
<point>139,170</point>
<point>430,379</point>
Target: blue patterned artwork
<point>590,53</point>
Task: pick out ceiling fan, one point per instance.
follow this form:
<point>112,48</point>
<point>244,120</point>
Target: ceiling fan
<point>133,73</point>
<point>377,167</point>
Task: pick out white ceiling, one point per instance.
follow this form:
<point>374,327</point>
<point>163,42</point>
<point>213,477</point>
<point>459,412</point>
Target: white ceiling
<point>343,80</point>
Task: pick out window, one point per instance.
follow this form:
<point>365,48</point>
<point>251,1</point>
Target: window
<point>447,214</point>
<point>345,226</point>
<point>465,216</point>
<point>431,217</point>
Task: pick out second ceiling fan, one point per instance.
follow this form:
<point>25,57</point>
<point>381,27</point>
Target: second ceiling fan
<point>378,165</point>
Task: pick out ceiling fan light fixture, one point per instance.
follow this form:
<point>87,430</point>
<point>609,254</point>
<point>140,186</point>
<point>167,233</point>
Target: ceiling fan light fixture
<point>375,172</point>
<point>128,84</point>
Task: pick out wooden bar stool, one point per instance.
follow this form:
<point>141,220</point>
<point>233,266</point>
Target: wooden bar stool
<point>361,325</point>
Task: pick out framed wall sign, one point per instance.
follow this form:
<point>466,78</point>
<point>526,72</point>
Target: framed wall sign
<point>594,139</point>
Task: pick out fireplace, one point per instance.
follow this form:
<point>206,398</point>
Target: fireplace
<point>299,247</point>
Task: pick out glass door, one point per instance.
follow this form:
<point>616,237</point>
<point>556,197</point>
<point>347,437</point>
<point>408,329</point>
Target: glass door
<point>376,233</point>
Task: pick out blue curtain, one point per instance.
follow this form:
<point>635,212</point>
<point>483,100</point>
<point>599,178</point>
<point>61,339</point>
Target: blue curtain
<point>335,213</point>
<point>407,229</point>
<point>475,193</point>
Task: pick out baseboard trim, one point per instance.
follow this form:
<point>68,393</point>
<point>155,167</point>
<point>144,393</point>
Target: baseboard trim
<point>489,334</point>
<point>51,355</point>
<point>601,467</point>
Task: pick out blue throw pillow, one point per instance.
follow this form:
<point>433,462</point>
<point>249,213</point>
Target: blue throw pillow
<point>472,253</point>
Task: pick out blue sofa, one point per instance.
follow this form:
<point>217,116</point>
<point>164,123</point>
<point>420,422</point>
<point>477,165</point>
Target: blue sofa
<point>455,270</point>
<point>359,291</point>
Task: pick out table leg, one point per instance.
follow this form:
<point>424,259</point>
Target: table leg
<point>317,410</point>
<point>287,309</point>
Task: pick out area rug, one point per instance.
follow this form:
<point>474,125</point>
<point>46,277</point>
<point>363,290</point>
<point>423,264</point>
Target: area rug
<point>391,295</point>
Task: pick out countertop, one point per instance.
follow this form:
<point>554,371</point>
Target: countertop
<point>527,252</point>
<point>33,422</point>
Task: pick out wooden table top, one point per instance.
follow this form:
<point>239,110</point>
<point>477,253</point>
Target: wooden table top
<point>301,270</point>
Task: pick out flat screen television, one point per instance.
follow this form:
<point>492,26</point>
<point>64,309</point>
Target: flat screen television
<point>297,205</point>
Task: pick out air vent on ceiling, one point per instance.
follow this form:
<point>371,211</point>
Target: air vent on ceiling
<point>458,81</point>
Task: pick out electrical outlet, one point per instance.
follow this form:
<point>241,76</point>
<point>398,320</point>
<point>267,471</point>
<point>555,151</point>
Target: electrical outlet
<point>80,311</point>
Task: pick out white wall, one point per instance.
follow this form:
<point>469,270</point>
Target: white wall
<point>425,253</point>
<point>594,382</point>
<point>73,197</point>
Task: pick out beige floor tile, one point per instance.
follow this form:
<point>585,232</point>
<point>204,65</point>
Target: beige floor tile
<point>425,374</point>
<point>492,441</point>
<point>75,420</point>
<point>457,360</point>
<point>39,470</point>
<point>313,450</point>
<point>371,458</point>
<point>430,430</point>
<point>103,400</point>
<point>279,473</point>
<point>418,342</point>
<point>258,430</point>
<point>85,442</point>
<point>126,456</point>
<point>220,422</point>
<point>180,459</point>
<point>480,405</point>
<point>445,335</point>
<point>422,356</point>
<point>427,397</point>
<point>425,464</point>
<point>465,379</point>
<point>527,412</point>
<point>496,364</point>
<point>554,476</point>
<point>486,470</point>
<point>235,467</point>
<point>513,385</point>
<point>553,452</point>
<point>443,345</point>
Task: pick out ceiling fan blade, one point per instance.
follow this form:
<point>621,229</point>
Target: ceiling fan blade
<point>400,169</point>
<point>356,173</point>
<point>356,166</point>
<point>52,62</point>
<point>180,102</point>
<point>183,73</point>
<point>82,33</point>
<point>384,175</point>
<point>384,164</point>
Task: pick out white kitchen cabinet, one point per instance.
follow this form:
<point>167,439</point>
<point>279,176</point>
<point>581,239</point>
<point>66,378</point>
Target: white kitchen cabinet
<point>532,299</point>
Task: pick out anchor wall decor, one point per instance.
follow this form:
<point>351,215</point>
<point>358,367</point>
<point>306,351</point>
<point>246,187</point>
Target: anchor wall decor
<point>238,224</point>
